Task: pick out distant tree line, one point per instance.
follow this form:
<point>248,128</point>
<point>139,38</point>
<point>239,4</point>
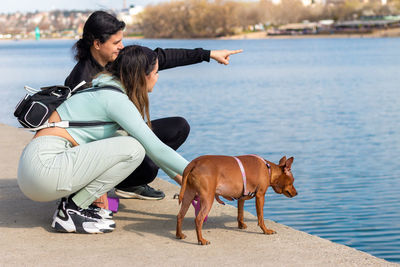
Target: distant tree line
<point>205,18</point>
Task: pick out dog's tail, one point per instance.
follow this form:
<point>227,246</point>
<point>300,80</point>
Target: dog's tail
<point>186,174</point>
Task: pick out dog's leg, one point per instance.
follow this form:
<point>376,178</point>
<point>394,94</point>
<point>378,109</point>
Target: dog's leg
<point>206,204</point>
<point>241,223</point>
<point>187,199</point>
<point>260,213</point>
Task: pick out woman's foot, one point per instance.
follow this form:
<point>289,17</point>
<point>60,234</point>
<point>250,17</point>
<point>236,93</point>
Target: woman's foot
<point>70,218</point>
<point>145,192</point>
<point>103,213</point>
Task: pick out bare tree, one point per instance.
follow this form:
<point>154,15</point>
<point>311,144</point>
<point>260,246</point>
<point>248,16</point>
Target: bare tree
<point>189,19</point>
<point>206,18</point>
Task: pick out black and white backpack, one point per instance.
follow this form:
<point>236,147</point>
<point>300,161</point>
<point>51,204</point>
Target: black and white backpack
<point>35,108</point>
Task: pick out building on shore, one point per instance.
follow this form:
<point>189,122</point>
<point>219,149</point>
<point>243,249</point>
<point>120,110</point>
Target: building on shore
<point>130,15</point>
<point>362,26</point>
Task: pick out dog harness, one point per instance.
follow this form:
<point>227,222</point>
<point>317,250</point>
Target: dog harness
<point>245,192</point>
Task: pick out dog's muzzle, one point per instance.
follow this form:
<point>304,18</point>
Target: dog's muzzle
<point>290,193</point>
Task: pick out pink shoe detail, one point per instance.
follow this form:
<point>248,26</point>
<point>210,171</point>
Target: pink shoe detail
<point>113,204</point>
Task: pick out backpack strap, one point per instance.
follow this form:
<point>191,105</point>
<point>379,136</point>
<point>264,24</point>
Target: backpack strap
<point>68,124</point>
<point>97,88</point>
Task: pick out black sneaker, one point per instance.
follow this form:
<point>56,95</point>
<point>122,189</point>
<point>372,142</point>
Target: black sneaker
<point>145,192</point>
<point>72,219</point>
<point>103,213</point>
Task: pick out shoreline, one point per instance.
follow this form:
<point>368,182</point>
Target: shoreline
<point>388,33</point>
<point>145,232</point>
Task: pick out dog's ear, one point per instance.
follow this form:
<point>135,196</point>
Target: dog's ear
<point>289,162</point>
<point>282,161</point>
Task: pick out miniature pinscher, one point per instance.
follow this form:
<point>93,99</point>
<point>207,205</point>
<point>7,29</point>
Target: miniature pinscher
<point>242,178</point>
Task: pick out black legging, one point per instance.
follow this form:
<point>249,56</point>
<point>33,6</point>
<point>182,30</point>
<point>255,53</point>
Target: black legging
<point>172,131</point>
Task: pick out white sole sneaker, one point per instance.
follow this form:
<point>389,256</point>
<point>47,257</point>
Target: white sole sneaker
<point>124,194</point>
<point>86,228</point>
<point>103,213</point>
<point>74,222</point>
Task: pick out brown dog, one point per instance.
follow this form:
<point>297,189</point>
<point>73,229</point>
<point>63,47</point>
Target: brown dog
<point>232,178</point>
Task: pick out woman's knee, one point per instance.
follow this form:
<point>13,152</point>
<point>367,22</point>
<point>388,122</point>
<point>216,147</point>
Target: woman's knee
<point>136,150</point>
<point>183,129</point>
<point>183,125</point>
<point>171,127</point>
<point>130,148</point>
<point>173,131</point>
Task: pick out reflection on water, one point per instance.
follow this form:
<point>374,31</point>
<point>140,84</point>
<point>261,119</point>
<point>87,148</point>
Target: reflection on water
<point>332,104</point>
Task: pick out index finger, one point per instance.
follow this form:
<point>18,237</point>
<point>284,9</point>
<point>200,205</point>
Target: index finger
<point>232,52</point>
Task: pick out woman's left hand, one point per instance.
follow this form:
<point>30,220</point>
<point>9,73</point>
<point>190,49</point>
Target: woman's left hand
<point>178,179</point>
<point>222,56</point>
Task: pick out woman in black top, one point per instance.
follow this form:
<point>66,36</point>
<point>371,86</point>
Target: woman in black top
<point>100,45</point>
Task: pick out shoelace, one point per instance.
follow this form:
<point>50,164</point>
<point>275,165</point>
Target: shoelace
<point>94,208</point>
<point>89,213</point>
<point>147,187</point>
<point>98,210</point>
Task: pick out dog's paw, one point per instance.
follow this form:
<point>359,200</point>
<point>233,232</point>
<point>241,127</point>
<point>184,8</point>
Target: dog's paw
<point>180,236</point>
<point>204,242</point>
<point>269,232</point>
<point>242,226</point>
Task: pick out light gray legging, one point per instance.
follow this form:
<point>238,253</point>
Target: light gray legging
<point>50,168</point>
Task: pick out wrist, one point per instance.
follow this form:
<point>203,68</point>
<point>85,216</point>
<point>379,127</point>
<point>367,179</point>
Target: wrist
<point>178,179</point>
<point>207,55</point>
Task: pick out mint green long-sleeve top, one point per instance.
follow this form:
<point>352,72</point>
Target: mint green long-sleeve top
<point>108,105</point>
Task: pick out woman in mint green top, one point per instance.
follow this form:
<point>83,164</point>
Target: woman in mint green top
<point>108,105</point>
<point>84,163</point>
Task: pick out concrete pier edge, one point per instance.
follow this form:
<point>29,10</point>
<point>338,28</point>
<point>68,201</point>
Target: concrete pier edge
<point>145,232</point>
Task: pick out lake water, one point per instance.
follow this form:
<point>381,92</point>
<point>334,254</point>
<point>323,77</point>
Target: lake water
<point>333,104</point>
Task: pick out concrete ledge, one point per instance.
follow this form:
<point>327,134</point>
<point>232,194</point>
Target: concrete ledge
<point>145,232</point>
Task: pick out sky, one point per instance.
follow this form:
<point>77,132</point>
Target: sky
<point>11,6</point>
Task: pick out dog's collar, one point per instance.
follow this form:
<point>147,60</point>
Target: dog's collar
<point>268,166</point>
<point>266,163</point>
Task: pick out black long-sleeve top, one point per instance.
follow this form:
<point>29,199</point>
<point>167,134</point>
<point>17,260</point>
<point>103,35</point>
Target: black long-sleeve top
<point>86,70</point>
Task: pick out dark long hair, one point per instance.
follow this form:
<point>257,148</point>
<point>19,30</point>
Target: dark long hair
<point>99,26</point>
<point>131,66</point>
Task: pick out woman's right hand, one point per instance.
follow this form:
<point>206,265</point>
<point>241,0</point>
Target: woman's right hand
<point>222,56</point>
